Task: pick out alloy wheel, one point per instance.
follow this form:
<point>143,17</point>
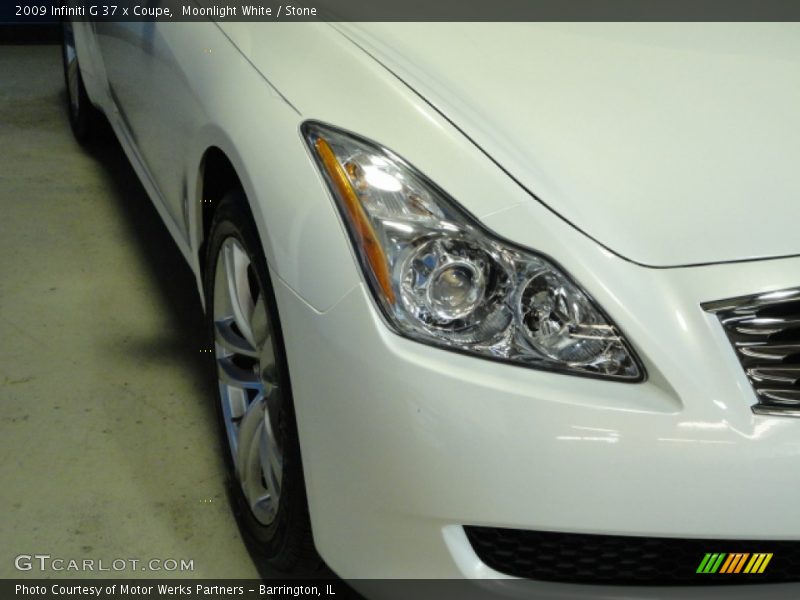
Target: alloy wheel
<point>249,387</point>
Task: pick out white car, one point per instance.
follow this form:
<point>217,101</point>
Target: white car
<point>487,300</point>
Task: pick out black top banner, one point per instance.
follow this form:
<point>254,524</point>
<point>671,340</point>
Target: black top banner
<point>31,11</point>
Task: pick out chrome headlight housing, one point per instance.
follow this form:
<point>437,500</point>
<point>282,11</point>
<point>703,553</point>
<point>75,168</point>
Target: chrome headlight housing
<point>441,278</point>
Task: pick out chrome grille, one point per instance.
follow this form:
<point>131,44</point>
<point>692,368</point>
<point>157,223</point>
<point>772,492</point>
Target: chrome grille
<point>765,332</point>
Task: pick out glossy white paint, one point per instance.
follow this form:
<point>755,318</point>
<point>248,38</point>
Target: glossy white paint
<point>403,443</point>
<point>425,439</point>
<point>670,144</point>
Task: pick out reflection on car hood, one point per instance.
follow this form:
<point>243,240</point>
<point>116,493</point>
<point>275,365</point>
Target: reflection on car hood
<point>671,144</point>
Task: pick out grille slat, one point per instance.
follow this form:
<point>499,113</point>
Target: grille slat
<point>784,397</point>
<point>748,304</point>
<point>759,323</point>
<point>788,375</point>
<point>769,351</point>
<point>764,329</point>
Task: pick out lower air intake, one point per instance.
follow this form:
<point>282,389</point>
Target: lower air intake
<point>628,560</point>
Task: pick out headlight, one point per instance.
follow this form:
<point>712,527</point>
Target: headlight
<point>441,278</point>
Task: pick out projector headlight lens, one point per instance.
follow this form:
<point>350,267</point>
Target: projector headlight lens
<point>440,278</point>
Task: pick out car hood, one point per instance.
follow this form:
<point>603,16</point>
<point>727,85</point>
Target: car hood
<point>670,144</point>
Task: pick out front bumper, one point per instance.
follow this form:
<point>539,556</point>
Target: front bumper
<point>404,444</point>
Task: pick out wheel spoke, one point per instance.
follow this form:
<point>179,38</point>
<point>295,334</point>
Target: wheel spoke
<point>235,401</point>
<point>241,300</point>
<point>259,324</point>
<point>271,463</point>
<point>233,375</point>
<point>272,400</point>
<point>230,342</point>
<point>269,371</point>
<point>263,504</point>
<point>249,434</point>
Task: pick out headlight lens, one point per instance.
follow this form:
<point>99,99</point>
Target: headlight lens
<point>441,278</point>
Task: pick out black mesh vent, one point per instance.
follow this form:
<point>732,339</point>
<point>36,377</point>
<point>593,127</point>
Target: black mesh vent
<point>624,560</point>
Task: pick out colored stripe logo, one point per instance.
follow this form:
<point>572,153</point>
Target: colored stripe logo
<point>736,562</point>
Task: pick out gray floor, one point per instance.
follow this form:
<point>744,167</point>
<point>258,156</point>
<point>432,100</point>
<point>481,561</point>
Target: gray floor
<point>108,446</point>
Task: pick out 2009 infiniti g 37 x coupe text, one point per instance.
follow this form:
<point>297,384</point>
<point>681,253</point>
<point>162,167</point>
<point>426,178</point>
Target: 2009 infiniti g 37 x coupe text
<point>486,300</point>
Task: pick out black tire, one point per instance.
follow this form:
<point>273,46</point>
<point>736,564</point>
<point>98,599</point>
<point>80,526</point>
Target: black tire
<point>86,121</point>
<point>285,545</point>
